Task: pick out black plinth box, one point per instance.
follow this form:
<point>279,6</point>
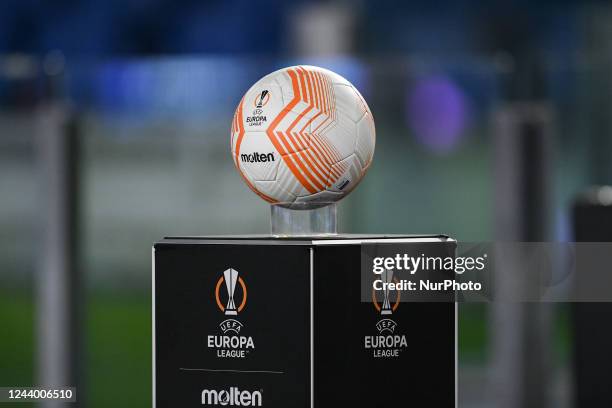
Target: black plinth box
<point>282,323</point>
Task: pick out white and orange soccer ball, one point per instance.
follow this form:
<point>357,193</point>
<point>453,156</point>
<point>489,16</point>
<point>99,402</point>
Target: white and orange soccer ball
<point>302,137</point>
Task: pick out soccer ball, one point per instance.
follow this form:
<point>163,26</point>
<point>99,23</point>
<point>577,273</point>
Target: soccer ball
<point>302,137</point>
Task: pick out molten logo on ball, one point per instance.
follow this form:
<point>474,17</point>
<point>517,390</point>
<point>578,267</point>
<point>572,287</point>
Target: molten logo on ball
<point>257,157</point>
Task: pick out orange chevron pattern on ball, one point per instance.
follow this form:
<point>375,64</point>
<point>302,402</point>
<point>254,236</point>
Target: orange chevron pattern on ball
<point>302,137</point>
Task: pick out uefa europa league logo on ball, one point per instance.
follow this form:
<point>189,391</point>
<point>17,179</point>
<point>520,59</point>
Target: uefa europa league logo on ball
<point>386,277</point>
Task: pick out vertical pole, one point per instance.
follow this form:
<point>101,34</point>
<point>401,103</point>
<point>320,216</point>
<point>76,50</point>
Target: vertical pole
<point>520,332</point>
<point>57,285</point>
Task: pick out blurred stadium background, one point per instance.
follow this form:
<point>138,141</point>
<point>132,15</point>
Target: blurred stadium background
<point>115,115</point>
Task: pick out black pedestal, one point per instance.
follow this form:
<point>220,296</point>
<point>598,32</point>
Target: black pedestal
<point>260,321</point>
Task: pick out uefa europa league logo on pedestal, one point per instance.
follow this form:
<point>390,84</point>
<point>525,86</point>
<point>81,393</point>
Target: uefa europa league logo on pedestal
<point>386,277</point>
<point>230,277</point>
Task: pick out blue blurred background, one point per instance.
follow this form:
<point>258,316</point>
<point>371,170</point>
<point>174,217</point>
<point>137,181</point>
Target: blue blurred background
<point>137,97</point>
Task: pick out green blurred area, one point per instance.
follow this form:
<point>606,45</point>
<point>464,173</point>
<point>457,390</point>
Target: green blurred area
<point>119,350</point>
<point>118,347</point>
<point>17,346</point>
<point>473,336</point>
<point>474,333</point>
